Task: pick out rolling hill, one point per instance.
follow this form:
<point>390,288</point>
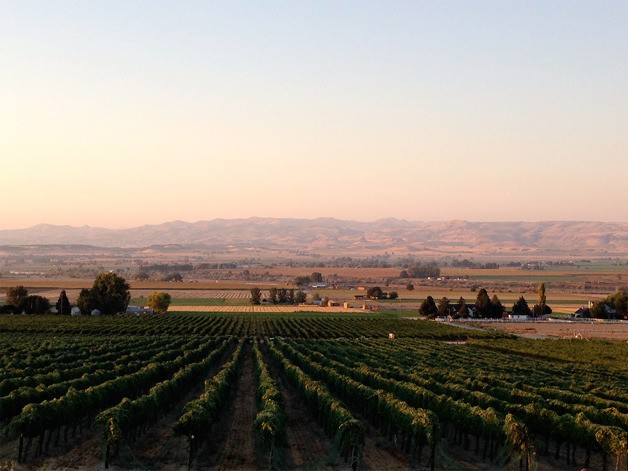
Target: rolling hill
<point>328,236</point>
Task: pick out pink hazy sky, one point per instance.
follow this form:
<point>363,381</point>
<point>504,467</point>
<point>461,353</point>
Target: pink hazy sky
<point>119,114</point>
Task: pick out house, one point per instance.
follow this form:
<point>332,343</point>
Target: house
<point>454,308</point>
<point>518,317</point>
<point>318,285</point>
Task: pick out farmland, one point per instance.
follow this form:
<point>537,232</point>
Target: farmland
<point>295,391</point>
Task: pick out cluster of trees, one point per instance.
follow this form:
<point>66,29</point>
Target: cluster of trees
<point>617,301</point>
<point>420,270</point>
<point>217,266</point>
<point>143,276</point>
<point>278,296</point>
<point>109,294</point>
<point>469,264</point>
<point>172,277</point>
<point>376,261</point>
<point>376,293</point>
<point>18,300</point>
<point>315,277</point>
<point>484,306</point>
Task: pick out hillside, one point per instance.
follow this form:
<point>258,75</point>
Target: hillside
<point>328,236</point>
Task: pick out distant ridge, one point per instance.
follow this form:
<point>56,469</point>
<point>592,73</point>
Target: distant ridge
<point>337,237</point>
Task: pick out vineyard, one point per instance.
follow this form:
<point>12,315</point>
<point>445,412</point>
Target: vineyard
<point>244,392</point>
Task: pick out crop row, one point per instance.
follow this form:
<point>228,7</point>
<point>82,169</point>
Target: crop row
<point>211,325</point>
<point>495,413</point>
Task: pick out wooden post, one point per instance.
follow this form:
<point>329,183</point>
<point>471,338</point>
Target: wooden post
<point>19,451</point>
<point>191,455</point>
<point>107,456</point>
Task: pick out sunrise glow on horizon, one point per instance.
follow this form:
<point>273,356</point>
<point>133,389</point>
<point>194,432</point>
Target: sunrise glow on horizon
<point>118,114</point>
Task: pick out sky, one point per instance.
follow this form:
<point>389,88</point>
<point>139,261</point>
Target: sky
<point>119,114</point>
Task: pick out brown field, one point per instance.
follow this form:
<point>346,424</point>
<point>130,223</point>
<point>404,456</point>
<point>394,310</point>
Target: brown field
<point>562,302</point>
<point>565,330</point>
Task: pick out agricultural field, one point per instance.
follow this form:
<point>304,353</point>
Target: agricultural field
<point>304,391</point>
<point>579,329</point>
<point>204,296</point>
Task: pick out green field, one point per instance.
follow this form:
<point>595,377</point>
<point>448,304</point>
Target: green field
<point>423,399</point>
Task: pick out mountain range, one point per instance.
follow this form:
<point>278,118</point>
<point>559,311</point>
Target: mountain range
<point>329,236</point>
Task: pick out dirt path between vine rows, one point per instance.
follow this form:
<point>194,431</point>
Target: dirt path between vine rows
<point>306,446</point>
<point>232,445</point>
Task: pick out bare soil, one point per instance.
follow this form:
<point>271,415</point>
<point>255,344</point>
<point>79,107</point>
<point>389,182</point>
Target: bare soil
<point>567,330</point>
<point>233,445</point>
<point>307,446</point>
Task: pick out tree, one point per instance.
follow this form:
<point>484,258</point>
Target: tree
<point>173,277</point>
<point>256,296</point>
<point>159,301</point>
<point>483,304</point>
<point>404,274</point>
<point>393,295</point>
<point>374,293</point>
<point>443,307</point>
<point>496,307</point>
<point>142,276</point>
<point>15,295</point>
<point>316,277</point>
<point>35,305</point>
<point>536,310</point>
<point>463,310</point>
<point>424,270</point>
<point>8,309</point>
<point>542,299</point>
<point>428,307</point>
<point>302,280</point>
<point>521,307</point>
<point>620,301</point>
<point>272,295</point>
<point>409,287</point>
<point>598,311</point>
<point>63,304</point>
<point>300,297</point>
<point>109,294</point>
<point>84,301</point>
<point>282,296</point>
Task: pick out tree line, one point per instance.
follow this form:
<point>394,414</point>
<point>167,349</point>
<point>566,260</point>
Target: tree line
<point>484,307</point>
<point>109,294</point>
<point>278,296</point>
